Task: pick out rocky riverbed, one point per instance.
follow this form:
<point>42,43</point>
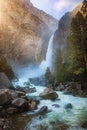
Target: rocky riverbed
<point>41,108</point>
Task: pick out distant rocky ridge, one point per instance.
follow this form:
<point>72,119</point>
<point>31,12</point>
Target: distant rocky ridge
<point>51,22</point>
<point>24,31</point>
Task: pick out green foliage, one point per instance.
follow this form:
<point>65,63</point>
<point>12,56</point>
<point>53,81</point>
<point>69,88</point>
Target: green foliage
<point>74,64</point>
<point>5,67</point>
<point>78,44</point>
<point>58,65</point>
<point>49,77</point>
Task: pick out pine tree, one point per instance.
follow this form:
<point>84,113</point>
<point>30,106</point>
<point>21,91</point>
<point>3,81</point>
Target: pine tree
<point>84,7</point>
<point>59,65</point>
<point>78,45</point>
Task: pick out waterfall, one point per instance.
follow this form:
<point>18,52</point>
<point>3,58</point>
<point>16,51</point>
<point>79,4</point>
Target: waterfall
<point>36,71</point>
<point>48,61</point>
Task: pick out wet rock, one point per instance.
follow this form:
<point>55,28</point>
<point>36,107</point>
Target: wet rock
<point>20,93</point>
<point>11,110</point>
<point>56,105</point>
<point>49,93</point>
<point>4,124</point>
<point>3,113</point>
<point>43,110</point>
<point>26,89</point>
<point>38,81</point>
<point>84,125</point>
<point>16,94</point>
<point>32,105</point>
<point>31,90</point>
<point>29,99</point>
<point>20,103</point>
<point>84,94</point>
<point>4,81</point>
<point>73,88</point>
<point>27,83</point>
<point>60,87</point>
<point>4,97</point>
<point>1,108</point>
<point>69,106</point>
<point>63,128</point>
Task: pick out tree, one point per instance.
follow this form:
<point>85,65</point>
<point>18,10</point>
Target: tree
<point>78,45</point>
<point>59,65</point>
<point>84,7</point>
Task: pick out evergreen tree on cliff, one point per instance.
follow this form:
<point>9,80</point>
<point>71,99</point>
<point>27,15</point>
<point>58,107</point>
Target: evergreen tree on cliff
<point>75,63</point>
<point>84,7</point>
<point>78,43</point>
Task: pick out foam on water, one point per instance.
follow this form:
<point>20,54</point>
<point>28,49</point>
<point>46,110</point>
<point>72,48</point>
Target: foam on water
<point>73,117</point>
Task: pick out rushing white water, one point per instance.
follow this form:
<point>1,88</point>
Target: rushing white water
<point>53,120</point>
<point>48,62</point>
<point>36,71</point>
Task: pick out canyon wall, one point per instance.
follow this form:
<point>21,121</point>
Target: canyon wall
<point>63,31</point>
<point>24,31</point>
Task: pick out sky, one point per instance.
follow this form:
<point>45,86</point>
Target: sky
<point>56,8</point>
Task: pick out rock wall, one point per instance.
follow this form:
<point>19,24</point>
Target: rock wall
<point>63,31</point>
<point>24,31</point>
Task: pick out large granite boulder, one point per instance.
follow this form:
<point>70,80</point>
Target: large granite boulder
<point>4,97</point>
<point>4,81</point>
<point>43,110</point>
<point>49,93</point>
<point>19,102</point>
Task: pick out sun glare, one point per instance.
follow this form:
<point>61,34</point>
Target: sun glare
<point>1,7</point>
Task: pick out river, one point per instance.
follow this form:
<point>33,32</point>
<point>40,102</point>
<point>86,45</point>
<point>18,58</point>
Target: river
<point>56,117</point>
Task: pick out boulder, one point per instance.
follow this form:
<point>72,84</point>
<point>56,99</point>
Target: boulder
<point>3,113</point>
<point>84,125</point>
<point>19,102</point>
<point>73,88</point>
<point>4,81</point>
<point>30,90</point>
<point>1,108</point>
<point>60,87</point>
<point>56,105</point>
<point>43,110</point>
<point>49,93</point>
<point>20,93</point>
<point>69,106</point>
<point>11,110</point>
<point>4,124</point>
<point>26,89</point>
<point>33,105</point>
<point>4,97</point>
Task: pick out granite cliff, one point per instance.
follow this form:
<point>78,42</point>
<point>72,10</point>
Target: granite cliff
<point>24,31</point>
<point>63,31</point>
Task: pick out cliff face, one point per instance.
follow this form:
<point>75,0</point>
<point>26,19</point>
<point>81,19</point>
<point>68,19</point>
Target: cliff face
<point>63,31</point>
<point>24,33</point>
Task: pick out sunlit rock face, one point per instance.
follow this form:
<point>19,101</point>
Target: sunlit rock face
<point>24,31</point>
<point>63,31</point>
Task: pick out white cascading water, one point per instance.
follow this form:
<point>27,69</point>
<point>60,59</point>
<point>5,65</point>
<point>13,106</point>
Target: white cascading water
<point>35,71</point>
<point>48,62</point>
